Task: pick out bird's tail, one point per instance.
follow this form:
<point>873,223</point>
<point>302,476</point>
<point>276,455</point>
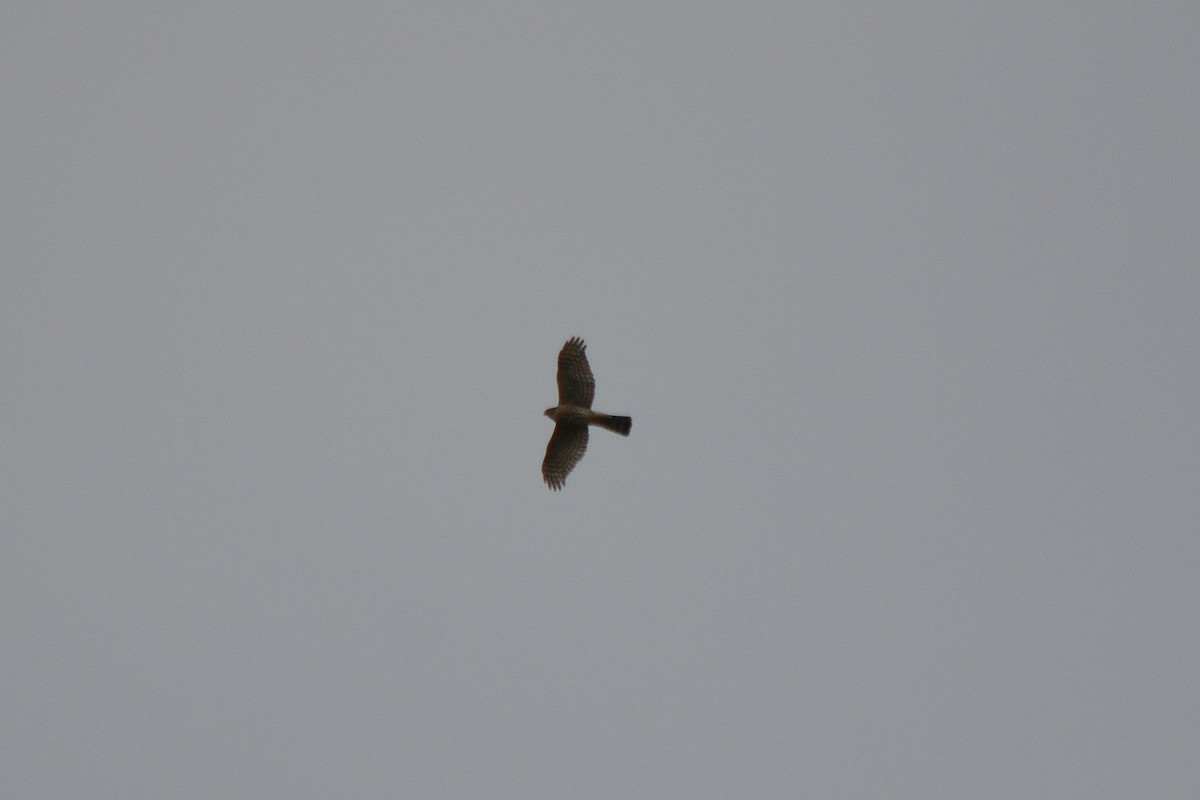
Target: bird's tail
<point>614,423</point>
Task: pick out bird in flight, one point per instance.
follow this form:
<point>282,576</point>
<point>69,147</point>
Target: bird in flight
<point>573,415</point>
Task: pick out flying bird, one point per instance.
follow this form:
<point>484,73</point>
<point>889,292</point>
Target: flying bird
<point>573,415</point>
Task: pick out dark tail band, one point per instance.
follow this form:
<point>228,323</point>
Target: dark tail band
<point>617,424</point>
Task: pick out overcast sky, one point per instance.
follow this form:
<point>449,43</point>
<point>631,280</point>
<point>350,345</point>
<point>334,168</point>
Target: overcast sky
<point>904,302</point>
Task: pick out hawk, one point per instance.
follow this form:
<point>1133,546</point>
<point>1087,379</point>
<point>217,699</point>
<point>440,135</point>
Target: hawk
<point>573,415</point>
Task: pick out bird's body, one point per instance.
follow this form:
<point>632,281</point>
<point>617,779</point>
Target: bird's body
<point>573,415</point>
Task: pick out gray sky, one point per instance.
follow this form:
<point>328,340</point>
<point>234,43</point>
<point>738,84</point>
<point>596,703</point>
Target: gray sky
<point>904,304</point>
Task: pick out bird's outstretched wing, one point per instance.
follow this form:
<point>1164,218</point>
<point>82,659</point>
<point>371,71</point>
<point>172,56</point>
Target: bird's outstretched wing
<point>576,386</point>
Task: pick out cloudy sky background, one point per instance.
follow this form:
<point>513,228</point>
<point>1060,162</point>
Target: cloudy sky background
<point>904,303</point>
